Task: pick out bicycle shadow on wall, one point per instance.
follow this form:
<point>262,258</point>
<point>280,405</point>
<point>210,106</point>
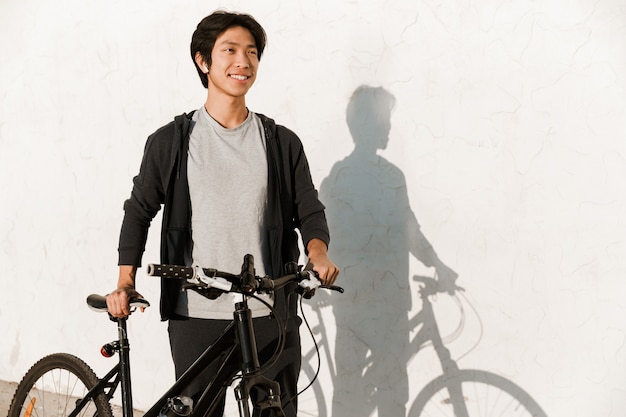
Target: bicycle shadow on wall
<point>374,234</point>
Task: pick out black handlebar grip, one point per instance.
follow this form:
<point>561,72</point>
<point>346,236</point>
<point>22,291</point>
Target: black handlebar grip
<point>171,271</point>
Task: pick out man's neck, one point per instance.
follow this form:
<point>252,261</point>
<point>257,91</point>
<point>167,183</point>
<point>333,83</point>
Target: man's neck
<point>228,113</point>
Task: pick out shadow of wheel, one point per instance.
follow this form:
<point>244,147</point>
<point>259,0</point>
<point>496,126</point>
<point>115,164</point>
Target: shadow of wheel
<point>318,393</point>
<point>484,394</point>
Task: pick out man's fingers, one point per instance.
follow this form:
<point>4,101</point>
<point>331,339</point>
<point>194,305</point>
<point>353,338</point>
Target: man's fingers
<point>118,302</point>
<point>327,275</point>
<point>333,276</point>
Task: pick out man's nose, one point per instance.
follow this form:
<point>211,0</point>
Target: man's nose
<point>243,60</point>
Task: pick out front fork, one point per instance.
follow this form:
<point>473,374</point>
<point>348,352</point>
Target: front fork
<point>250,368</point>
<point>271,402</point>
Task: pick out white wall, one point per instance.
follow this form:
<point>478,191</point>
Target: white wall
<point>509,132</point>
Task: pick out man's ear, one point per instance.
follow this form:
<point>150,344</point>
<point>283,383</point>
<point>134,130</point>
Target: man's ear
<point>200,63</point>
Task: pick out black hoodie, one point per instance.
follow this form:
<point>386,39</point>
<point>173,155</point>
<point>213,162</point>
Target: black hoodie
<point>162,180</point>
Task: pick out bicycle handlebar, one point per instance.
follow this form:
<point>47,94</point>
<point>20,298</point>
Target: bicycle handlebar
<point>245,283</point>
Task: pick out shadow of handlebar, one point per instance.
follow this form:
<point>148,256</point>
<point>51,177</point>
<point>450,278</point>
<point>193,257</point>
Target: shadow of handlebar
<point>432,286</point>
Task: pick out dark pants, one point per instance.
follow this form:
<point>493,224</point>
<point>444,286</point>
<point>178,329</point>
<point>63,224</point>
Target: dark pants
<point>189,337</point>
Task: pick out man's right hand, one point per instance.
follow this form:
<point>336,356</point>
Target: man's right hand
<point>118,301</point>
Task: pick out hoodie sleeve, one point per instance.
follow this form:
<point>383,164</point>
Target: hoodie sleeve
<point>309,216</point>
<point>147,196</point>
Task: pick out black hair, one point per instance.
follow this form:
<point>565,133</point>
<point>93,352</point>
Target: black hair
<point>212,26</point>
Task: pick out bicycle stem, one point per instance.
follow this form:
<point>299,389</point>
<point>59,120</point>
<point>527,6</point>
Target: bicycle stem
<point>248,284</point>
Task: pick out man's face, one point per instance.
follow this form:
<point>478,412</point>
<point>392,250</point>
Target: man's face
<point>235,62</point>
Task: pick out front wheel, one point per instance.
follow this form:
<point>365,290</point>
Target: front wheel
<point>53,387</point>
<point>474,393</point>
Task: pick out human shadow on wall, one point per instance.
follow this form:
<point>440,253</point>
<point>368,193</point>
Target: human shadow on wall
<point>374,231</point>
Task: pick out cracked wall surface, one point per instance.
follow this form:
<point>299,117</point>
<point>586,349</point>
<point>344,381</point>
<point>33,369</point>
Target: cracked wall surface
<point>479,142</point>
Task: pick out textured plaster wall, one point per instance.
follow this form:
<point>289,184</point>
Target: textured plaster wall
<point>506,145</point>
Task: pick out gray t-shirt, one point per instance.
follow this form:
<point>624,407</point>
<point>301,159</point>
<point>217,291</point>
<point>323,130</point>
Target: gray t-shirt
<point>227,173</point>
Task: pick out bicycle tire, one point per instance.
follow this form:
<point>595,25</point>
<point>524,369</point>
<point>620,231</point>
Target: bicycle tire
<point>484,394</point>
<point>52,386</point>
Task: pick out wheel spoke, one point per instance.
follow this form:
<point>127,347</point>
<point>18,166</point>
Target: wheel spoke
<point>54,386</point>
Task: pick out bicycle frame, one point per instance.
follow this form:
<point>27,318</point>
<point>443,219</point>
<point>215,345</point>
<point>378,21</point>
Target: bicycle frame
<point>236,347</point>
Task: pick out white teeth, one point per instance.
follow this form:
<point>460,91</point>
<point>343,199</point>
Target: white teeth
<point>239,77</point>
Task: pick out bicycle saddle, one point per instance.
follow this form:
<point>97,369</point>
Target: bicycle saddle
<point>99,303</point>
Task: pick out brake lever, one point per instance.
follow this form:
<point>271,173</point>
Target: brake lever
<point>308,285</point>
<point>212,282</point>
<point>312,282</point>
<point>334,288</point>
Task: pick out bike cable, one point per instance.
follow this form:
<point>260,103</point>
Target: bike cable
<point>317,351</point>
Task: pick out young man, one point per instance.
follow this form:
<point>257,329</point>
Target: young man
<point>231,182</point>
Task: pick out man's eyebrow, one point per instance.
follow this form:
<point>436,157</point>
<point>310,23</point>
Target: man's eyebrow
<point>229,42</point>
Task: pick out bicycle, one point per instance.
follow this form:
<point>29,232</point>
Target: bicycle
<point>62,384</point>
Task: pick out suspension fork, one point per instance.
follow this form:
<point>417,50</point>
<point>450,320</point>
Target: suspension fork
<point>250,366</point>
<point>247,341</point>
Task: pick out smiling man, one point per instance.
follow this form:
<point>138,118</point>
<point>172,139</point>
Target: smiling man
<point>231,182</point>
